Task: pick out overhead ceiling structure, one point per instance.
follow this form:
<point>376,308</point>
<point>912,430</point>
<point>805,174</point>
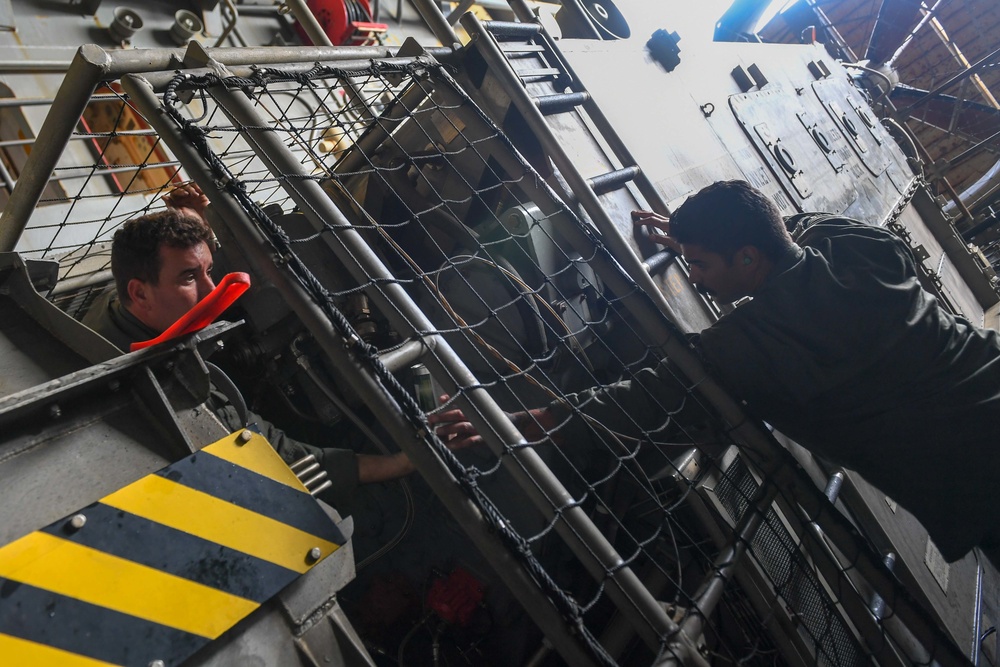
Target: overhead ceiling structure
<point>946,57</point>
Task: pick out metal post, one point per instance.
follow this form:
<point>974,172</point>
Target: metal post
<point>81,80</point>
<point>260,257</point>
<point>435,20</point>
<point>710,592</point>
<point>300,10</point>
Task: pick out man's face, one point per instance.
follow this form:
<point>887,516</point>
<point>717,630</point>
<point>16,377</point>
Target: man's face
<point>185,279</point>
<point>713,274</point>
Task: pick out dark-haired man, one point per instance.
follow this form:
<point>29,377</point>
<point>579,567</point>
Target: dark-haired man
<point>839,348</point>
<point>162,265</point>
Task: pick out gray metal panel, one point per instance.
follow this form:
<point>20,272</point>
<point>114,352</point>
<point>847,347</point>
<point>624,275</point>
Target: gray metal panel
<point>690,138</point>
<point>938,262</point>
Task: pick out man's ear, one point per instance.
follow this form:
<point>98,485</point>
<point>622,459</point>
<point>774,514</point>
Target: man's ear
<point>748,256</point>
<point>138,294</point>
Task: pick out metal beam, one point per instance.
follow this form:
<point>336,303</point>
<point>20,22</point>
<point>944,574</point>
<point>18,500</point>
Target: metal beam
<point>972,69</point>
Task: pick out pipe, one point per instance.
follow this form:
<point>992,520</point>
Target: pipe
<point>314,31</point>
<point>430,12</point>
<point>258,253</point>
<point>408,353</point>
<point>710,592</point>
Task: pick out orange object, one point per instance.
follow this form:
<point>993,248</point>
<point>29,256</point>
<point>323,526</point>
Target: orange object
<point>230,288</point>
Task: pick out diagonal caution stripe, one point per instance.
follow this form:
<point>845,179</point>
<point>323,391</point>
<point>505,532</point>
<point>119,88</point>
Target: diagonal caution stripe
<point>255,454</point>
<point>17,651</point>
<point>82,573</point>
<point>205,516</point>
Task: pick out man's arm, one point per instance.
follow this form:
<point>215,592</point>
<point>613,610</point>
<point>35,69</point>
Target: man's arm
<point>457,431</point>
<point>375,468</point>
<point>653,405</point>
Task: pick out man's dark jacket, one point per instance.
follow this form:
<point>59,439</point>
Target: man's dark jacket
<point>842,350</point>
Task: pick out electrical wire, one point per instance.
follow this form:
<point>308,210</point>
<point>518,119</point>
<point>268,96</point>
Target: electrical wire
<point>888,81</point>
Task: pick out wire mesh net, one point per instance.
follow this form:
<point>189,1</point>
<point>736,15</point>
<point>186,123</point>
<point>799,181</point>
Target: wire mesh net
<point>114,167</point>
<point>408,216</point>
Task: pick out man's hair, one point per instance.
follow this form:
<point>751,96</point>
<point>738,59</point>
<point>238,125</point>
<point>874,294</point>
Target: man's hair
<point>729,215</point>
<point>135,251</point>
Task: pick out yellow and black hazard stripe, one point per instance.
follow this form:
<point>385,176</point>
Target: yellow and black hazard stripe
<point>163,566</point>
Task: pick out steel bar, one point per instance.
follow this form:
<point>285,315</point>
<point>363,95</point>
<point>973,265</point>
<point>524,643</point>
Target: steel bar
<point>526,467</point>
<point>80,82</point>
<point>66,285</point>
<point>463,6</point>
<point>430,12</point>
<point>957,54</point>
<point>927,16</point>
<point>613,180</point>
<point>34,66</point>
<point>560,102</point>
<point>260,256</point>
<point>522,11</point>
<point>8,180</point>
<point>408,353</point>
<point>710,592</point>
<point>969,152</point>
<point>300,10</point>
<point>972,69</point>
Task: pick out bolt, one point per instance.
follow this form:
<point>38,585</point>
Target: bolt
<point>77,521</point>
<point>114,385</point>
<point>55,411</point>
<point>314,554</point>
<point>157,663</point>
<point>245,436</point>
<point>219,345</point>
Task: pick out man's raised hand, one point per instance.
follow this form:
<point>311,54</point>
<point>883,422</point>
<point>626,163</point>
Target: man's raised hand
<point>660,228</point>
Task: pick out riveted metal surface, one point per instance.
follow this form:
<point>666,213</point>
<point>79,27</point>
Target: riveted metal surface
<point>163,566</point>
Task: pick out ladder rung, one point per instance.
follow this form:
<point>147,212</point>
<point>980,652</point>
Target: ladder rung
<point>560,103</point>
<point>613,179</point>
<point>509,49</point>
<point>507,30</point>
<point>539,74</point>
